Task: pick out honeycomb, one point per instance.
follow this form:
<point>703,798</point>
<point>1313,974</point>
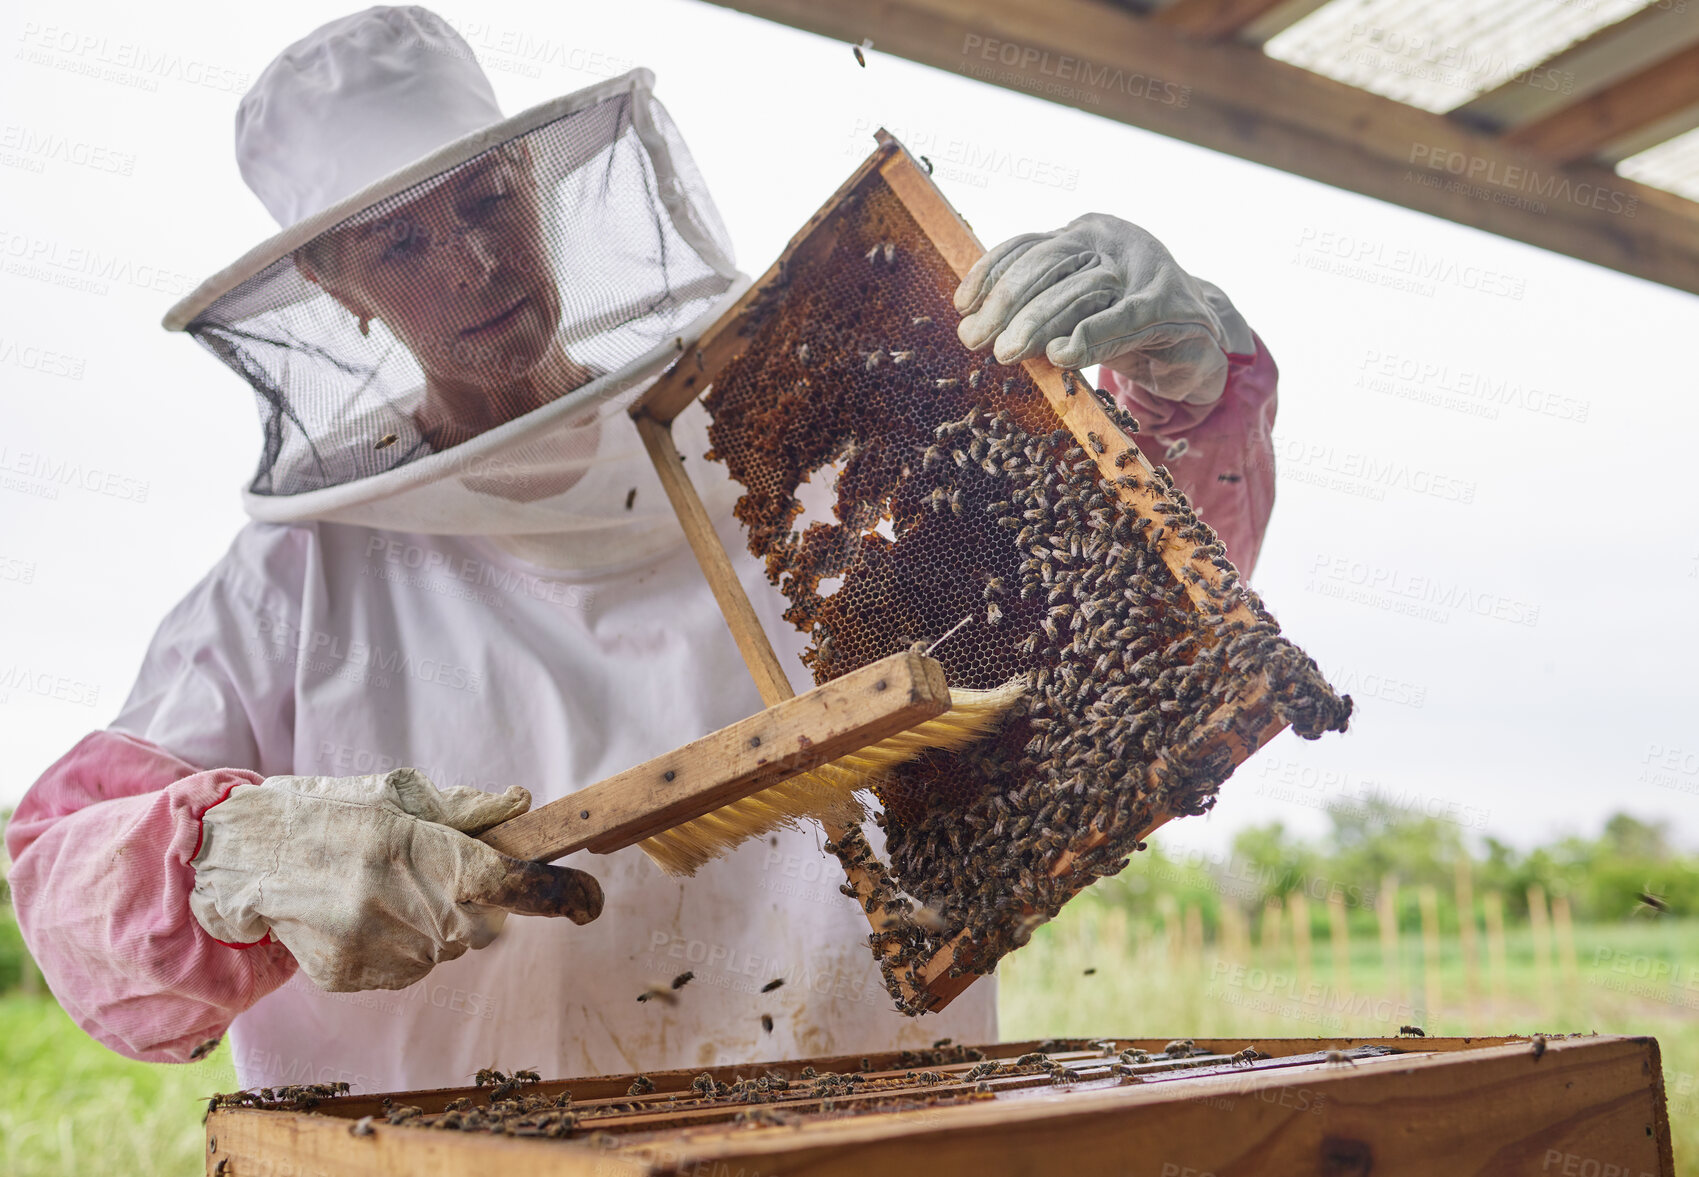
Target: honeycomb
<point>967,516</point>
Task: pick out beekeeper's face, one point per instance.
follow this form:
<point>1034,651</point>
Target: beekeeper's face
<point>461,274</point>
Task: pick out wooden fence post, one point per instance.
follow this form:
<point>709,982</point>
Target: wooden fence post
<point>1468,936</point>
<point>1492,908</point>
<point>1298,909</point>
<point>1340,935</point>
<point>1386,907</point>
<point>1539,924</point>
<point>1428,899</point>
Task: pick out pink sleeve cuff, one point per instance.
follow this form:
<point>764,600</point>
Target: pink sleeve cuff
<point>101,849</point>
<point>1227,469</point>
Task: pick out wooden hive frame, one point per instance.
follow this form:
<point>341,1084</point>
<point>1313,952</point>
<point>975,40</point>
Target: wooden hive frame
<point>1234,731</point>
<point>1390,1106</point>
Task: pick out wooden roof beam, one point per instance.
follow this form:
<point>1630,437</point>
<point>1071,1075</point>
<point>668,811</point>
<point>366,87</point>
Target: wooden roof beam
<point>1233,98</point>
<point>1594,123</point>
<point>1611,54</point>
<point>1212,18</point>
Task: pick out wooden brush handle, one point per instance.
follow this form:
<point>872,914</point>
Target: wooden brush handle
<point>792,736</point>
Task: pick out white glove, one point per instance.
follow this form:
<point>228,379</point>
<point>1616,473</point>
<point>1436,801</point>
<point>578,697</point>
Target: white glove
<point>370,881</point>
<point>1103,291</point>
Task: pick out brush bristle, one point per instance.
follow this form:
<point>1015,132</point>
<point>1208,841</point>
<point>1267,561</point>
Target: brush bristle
<point>828,792</point>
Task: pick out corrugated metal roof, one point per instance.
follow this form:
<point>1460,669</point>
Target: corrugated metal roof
<point>1672,165</point>
<point>1439,55</point>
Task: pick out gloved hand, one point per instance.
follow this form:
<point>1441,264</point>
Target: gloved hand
<point>1103,291</point>
<point>370,881</point>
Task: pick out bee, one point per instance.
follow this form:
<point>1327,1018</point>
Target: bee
<point>1179,1047</point>
<point>767,1023</point>
<point>1176,449</point>
<point>656,993</point>
<point>630,497</point>
<point>802,353</point>
<point>679,982</point>
<point>930,920</point>
<point>993,615</point>
<point>488,1077</point>
<point>775,983</point>
<point>1123,458</point>
<point>901,357</point>
<point>384,442</point>
<point>944,383</point>
<point>1091,972</point>
<point>890,250</point>
<point>1229,477</point>
<point>1650,902</point>
<point>1538,1042</point>
<point>202,1049</point>
<point>956,503</point>
<point>860,59</point>
<point>218,1169</point>
<point>1412,1031</point>
<point>361,1127</point>
<point>642,1085</point>
<point>1068,379</point>
<point>928,164</point>
<point>873,358</point>
<point>1245,1057</point>
<point>1337,1058</point>
<point>1009,386</point>
<point>921,320</point>
<point>974,376</point>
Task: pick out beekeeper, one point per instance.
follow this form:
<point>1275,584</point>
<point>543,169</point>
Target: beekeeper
<point>462,591</point>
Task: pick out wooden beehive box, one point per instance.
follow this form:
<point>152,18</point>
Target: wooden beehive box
<point>842,364</point>
<point>1382,1106</point>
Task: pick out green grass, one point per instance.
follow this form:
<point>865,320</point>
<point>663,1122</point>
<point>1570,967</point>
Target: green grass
<point>1638,977</point>
<point>70,1106</point>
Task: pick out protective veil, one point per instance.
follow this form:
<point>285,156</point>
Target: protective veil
<point>515,606</point>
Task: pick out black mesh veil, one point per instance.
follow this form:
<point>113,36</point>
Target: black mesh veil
<point>507,304</point>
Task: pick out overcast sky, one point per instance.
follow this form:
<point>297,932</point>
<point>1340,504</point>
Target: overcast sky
<point>1486,528</point>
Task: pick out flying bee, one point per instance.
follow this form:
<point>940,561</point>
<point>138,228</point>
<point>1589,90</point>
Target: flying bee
<point>1176,449</point>
<point>679,982</point>
<point>1650,902</point>
<point>1228,477</point>
<point>767,1022</point>
<point>384,442</point>
<point>1337,1058</point>
<point>860,58</point>
<point>202,1049</point>
<point>775,983</point>
<point>630,497</point>
<point>656,993</point>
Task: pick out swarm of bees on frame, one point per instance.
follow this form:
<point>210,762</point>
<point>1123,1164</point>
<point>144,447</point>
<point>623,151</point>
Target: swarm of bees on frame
<point>964,507</point>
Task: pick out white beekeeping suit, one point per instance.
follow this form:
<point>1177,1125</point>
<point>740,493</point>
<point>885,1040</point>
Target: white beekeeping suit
<point>475,576</point>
